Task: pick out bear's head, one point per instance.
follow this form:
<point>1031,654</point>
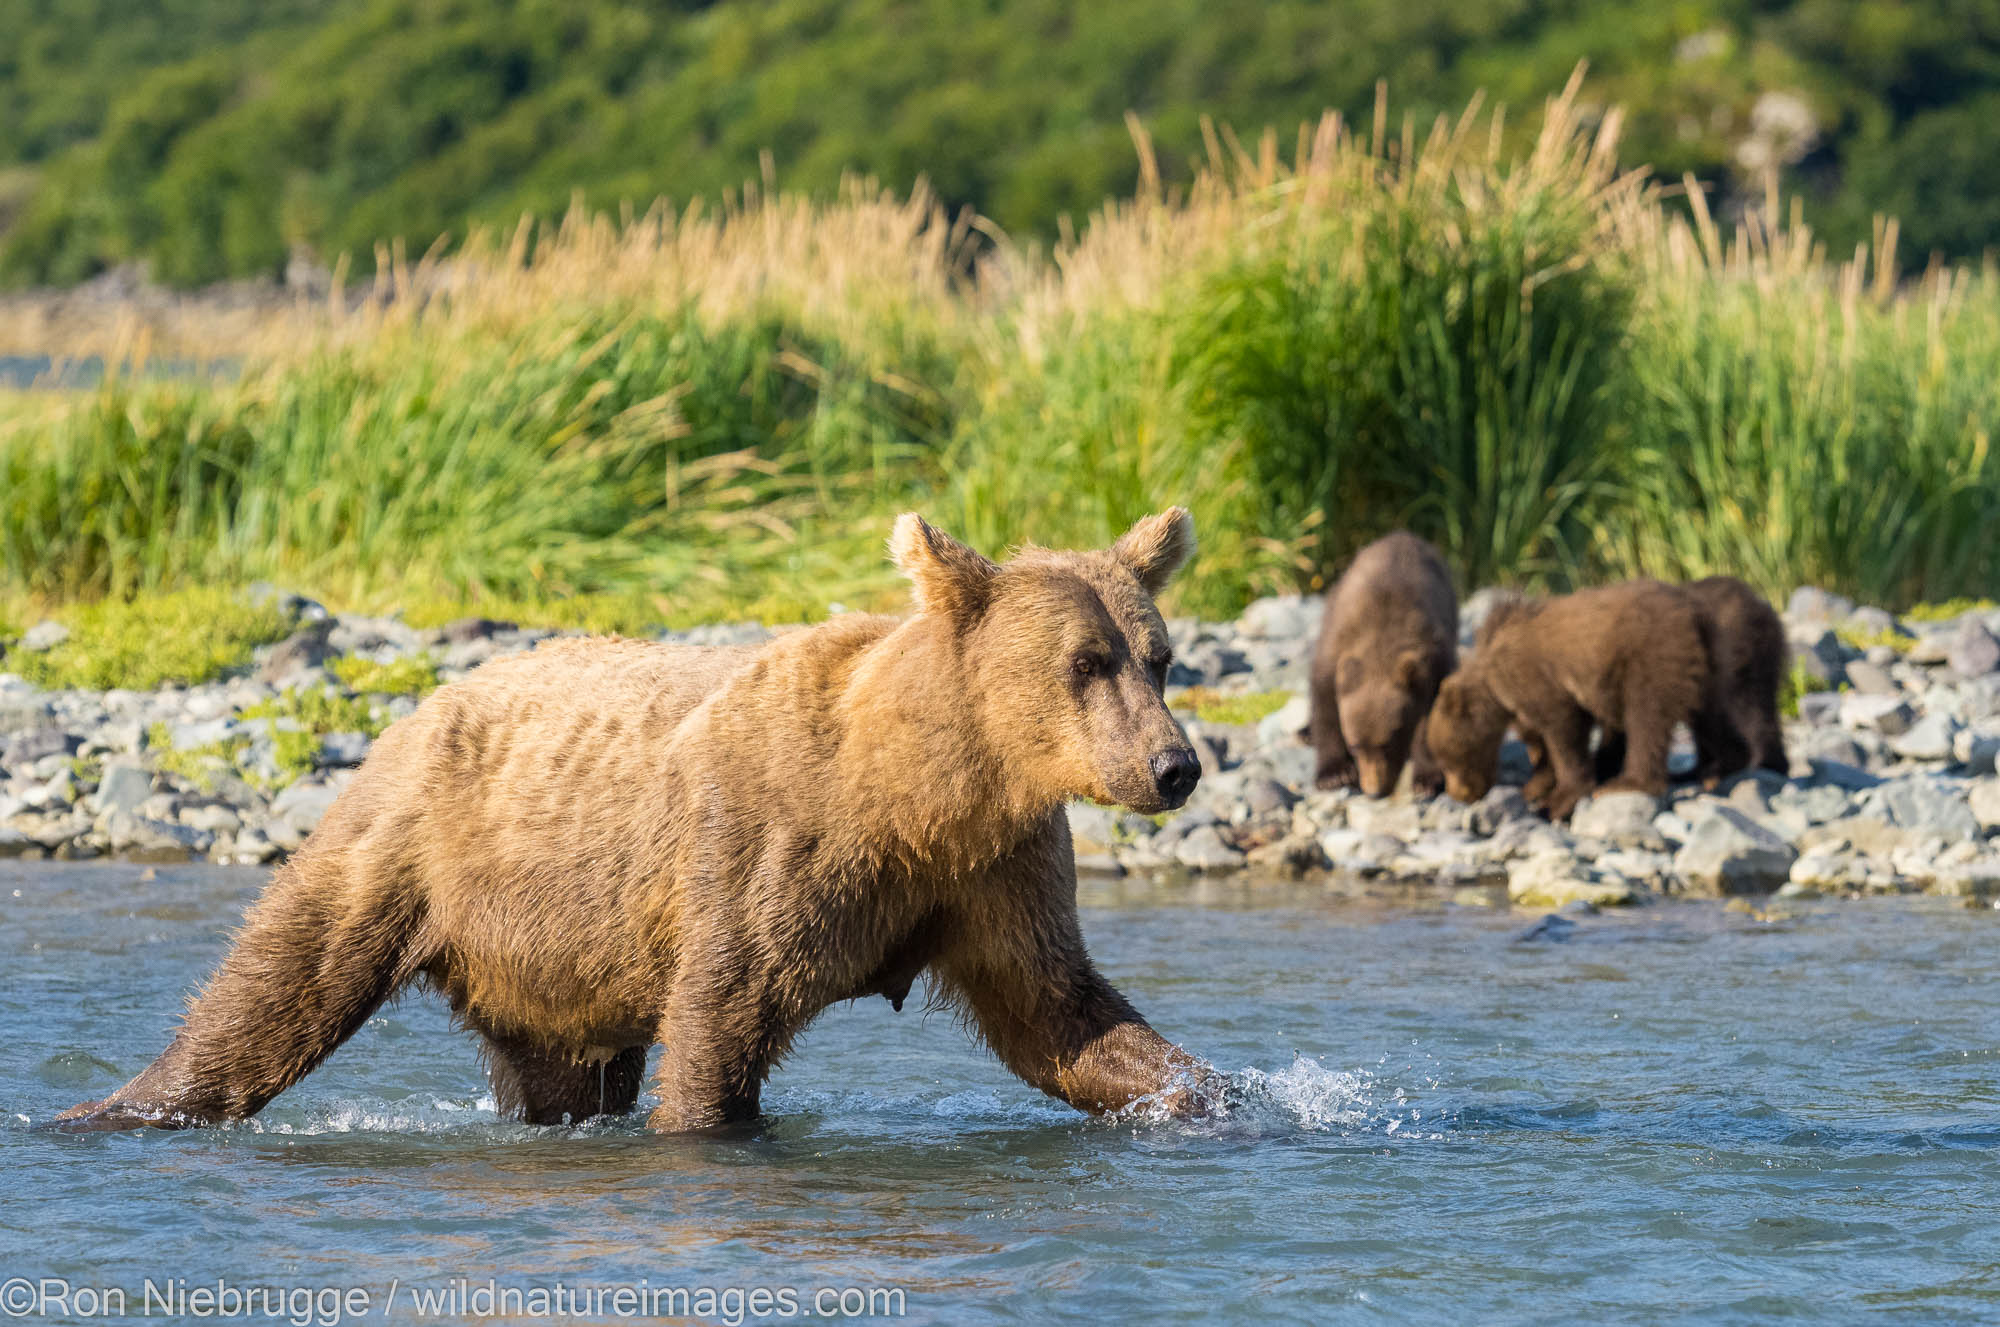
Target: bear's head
<point>1061,659</point>
<point>1466,725</point>
<point>1380,709</point>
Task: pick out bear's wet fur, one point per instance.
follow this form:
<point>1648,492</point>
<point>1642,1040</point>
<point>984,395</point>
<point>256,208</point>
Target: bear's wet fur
<point>1633,657</point>
<point>608,844</point>
<point>1389,637</point>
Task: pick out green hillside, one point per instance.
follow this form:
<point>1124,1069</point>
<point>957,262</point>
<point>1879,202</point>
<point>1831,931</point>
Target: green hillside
<point>214,137</point>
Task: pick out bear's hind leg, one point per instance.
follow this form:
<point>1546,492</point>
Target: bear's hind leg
<point>542,1085</point>
<point>314,959</point>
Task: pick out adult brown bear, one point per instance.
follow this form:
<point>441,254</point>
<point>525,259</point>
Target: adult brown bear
<point>610,843</point>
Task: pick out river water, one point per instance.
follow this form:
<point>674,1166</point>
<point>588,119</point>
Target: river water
<point>1685,1113</point>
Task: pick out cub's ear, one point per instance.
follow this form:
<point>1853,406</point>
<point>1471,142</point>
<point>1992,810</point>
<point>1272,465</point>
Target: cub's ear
<point>1409,670</point>
<point>1154,549</point>
<point>948,577</point>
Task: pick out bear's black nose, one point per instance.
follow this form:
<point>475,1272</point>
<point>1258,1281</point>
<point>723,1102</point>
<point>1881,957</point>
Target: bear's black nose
<point>1175,774</point>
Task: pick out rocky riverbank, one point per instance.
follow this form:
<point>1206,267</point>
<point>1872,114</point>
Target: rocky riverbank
<point>1893,786</point>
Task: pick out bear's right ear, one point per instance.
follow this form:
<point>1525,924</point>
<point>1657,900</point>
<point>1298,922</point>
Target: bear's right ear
<point>948,577</point>
<point>1155,547</point>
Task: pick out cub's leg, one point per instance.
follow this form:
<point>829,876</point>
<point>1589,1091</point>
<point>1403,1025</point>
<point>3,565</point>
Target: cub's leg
<point>316,956</point>
<point>546,1086</point>
<point>1565,732</point>
<point>1649,737</point>
<point>1426,775</point>
<point>1335,763</point>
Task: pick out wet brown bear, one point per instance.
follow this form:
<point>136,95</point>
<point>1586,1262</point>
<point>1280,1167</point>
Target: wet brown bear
<point>611,843</point>
<point>1633,657</point>
<point>1738,727</point>
<point>1390,636</point>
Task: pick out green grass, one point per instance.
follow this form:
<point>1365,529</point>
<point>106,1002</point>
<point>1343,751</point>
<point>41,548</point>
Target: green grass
<point>409,675</point>
<point>186,636</point>
<point>1228,708</point>
<point>1547,367</point>
<point>1949,609</point>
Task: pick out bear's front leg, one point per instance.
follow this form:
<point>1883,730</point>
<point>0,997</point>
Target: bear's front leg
<point>721,1037</point>
<point>1044,1009</point>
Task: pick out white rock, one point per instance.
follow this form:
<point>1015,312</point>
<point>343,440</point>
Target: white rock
<point>1622,817</point>
<point>1285,723</point>
<point>1929,738</point>
<point>1984,803</point>
<point>1884,714</point>
<point>1730,853</point>
<point>124,787</point>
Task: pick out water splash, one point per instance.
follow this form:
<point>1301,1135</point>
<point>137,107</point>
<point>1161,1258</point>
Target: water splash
<point>1303,1097</point>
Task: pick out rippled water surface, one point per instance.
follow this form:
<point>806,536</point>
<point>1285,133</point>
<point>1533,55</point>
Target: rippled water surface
<point>1686,1113</point>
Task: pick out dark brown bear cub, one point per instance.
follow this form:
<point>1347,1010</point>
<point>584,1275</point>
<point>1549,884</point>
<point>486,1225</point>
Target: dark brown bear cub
<point>1389,638</point>
<point>610,844</point>
<point>1738,726</point>
<point>1633,657</point>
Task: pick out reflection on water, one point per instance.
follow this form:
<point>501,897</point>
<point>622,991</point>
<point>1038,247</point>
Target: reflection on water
<point>1436,1114</point>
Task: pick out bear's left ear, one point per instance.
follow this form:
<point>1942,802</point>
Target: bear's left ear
<point>1154,549</point>
<point>948,577</point>
<point>1409,670</point>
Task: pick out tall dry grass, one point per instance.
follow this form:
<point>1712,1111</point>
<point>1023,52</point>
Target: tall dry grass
<point>1545,364</point>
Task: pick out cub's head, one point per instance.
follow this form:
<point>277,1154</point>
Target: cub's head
<point>1062,658</point>
<point>1380,708</point>
<point>1466,725</point>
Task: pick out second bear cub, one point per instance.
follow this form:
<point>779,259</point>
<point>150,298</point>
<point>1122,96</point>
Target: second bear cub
<point>1632,657</point>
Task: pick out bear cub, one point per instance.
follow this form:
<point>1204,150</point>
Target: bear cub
<point>1632,657</point>
<point>1390,637</point>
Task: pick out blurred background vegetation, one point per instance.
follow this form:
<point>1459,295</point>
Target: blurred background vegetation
<point>1485,326</point>
<point>217,138</point>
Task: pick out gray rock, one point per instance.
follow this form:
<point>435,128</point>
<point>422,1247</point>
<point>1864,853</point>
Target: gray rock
<point>1974,651</point>
<point>1816,652</point>
<point>44,635</point>
<point>1204,849</point>
<point>1729,853</point>
<point>1286,723</point>
<point>20,713</point>
<point>203,733</point>
<point>1923,804</point>
<point>339,750</point>
<point>1287,617</point>
<point>1929,738</point>
<point>1810,604</point>
<point>307,648</point>
<point>1868,620</point>
<point>1871,679</point>
<point>1621,817</point>
<point>1819,706</point>
<point>1503,803</point>
<point>1266,797</point>
<point>123,788</point>
<point>13,843</point>
<point>1984,803</point>
<point>254,847</point>
<point>212,817</point>
<point>304,803</point>
<point>37,744</point>
<point>1815,804</point>
<point>1888,715</point>
<point>1930,648</point>
<point>1978,749</point>
<point>468,629</point>
<point>143,840</point>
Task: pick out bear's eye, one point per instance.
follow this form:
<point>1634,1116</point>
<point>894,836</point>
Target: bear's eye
<point>1087,666</point>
